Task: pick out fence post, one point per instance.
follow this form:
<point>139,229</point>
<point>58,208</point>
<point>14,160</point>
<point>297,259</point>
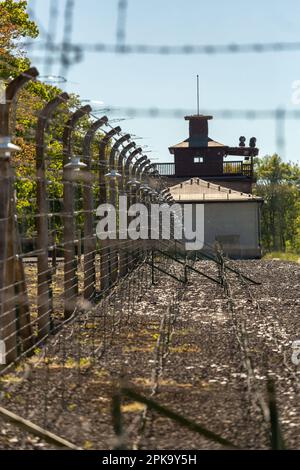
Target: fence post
<point>89,243</point>
<point>130,171</point>
<point>11,266</point>
<point>44,301</point>
<point>151,197</point>
<point>103,168</point>
<point>143,194</point>
<point>132,197</point>
<point>123,258</point>
<point>113,193</point>
<point>70,260</point>
<point>53,251</point>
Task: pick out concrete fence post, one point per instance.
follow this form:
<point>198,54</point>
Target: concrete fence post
<point>113,183</point>
<point>123,190</point>
<point>13,292</point>
<point>90,242</point>
<point>44,273</point>
<point>70,260</point>
<point>105,262</point>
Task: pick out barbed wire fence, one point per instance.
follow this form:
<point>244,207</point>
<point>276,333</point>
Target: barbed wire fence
<point>53,267</point>
<point>64,226</point>
<point>65,295</point>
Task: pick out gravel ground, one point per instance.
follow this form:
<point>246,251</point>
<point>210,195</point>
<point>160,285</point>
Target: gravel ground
<point>201,350</point>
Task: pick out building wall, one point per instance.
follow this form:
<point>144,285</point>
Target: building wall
<point>236,226</point>
<point>185,166</point>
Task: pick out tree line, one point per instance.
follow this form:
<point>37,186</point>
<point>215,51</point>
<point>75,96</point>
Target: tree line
<point>278,183</point>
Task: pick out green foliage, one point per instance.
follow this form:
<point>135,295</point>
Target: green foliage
<point>15,25</point>
<point>14,13</point>
<point>287,256</point>
<point>278,183</point>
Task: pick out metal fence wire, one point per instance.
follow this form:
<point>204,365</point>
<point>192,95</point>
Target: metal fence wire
<point>50,254</point>
<point>75,310</point>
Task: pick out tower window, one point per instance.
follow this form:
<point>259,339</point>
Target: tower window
<point>198,159</point>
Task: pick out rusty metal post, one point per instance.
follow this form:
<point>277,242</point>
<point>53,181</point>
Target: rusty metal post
<point>113,196</point>
<point>44,274</point>
<point>70,261</point>
<point>89,243</point>
<point>13,293</point>
<point>103,168</point>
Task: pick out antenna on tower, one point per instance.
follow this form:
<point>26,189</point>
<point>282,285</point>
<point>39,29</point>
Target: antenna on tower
<point>198,95</point>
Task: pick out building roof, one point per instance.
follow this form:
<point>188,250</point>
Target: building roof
<point>186,144</point>
<point>196,190</point>
<point>198,117</point>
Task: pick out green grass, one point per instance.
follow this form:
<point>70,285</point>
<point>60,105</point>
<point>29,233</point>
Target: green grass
<point>283,256</point>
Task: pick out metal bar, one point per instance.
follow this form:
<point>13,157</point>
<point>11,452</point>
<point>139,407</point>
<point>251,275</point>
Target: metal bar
<point>204,255</point>
<point>202,274</point>
<point>165,272</point>
<point>187,266</point>
<point>168,413</point>
<point>36,430</point>
<point>165,169</point>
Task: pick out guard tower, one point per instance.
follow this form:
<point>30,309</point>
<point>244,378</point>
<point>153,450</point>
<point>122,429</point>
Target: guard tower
<point>202,157</point>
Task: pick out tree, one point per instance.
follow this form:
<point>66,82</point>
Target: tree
<point>15,25</point>
<point>278,183</point>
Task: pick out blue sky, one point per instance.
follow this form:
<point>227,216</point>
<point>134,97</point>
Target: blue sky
<point>236,81</point>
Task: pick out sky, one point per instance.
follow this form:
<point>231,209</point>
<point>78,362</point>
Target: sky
<point>227,81</point>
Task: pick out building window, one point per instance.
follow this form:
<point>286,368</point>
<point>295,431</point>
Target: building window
<point>198,159</point>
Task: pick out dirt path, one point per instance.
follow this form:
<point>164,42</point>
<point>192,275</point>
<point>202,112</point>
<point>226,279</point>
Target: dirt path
<point>185,347</point>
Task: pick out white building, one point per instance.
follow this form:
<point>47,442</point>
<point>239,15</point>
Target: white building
<point>231,218</point>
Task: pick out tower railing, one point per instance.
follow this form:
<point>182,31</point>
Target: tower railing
<point>237,168</point>
<point>165,169</point>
